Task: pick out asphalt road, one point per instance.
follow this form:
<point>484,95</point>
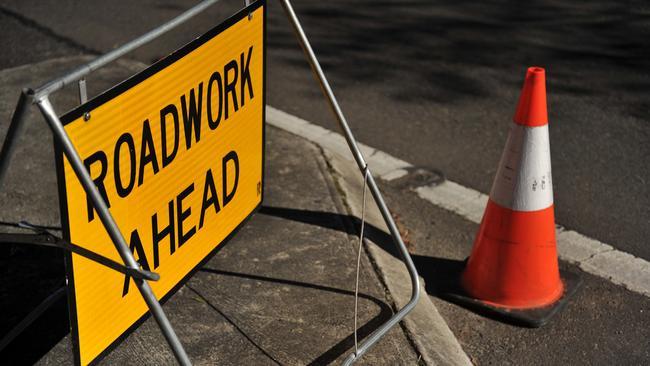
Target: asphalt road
<point>434,83</point>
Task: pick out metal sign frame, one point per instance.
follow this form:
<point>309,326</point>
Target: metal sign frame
<point>40,98</point>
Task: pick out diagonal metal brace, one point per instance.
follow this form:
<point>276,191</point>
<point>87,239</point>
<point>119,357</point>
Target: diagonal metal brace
<point>44,238</point>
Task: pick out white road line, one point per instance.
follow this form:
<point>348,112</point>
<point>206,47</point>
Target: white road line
<point>381,164</point>
<point>589,254</point>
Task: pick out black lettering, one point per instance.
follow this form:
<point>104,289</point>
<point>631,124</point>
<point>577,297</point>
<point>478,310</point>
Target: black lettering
<point>127,139</point>
<point>214,79</point>
<point>97,157</point>
<point>159,235</point>
<point>229,86</point>
<point>192,116</point>
<point>227,196</point>
<point>245,76</point>
<point>147,152</point>
<point>136,247</point>
<point>170,109</point>
<point>182,215</point>
<point>213,200</point>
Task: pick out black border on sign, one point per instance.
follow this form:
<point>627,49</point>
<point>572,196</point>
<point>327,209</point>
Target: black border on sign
<point>112,93</point>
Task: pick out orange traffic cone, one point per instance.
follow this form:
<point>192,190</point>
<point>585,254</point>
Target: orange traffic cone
<point>513,269</point>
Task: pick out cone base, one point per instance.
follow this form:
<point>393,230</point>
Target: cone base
<point>532,317</point>
<point>514,261</point>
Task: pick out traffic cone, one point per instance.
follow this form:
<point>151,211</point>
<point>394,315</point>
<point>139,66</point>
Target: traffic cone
<point>513,268</point>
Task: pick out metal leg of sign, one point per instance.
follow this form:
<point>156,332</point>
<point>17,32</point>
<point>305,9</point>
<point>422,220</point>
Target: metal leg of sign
<point>111,227</point>
<point>327,91</point>
<point>15,129</point>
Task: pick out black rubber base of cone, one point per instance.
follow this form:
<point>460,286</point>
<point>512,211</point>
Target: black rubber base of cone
<point>532,318</point>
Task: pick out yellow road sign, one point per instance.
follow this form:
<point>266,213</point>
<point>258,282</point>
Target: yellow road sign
<point>177,154</point>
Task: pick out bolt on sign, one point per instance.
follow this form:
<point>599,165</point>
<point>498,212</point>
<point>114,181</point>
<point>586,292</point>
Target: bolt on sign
<point>176,152</point>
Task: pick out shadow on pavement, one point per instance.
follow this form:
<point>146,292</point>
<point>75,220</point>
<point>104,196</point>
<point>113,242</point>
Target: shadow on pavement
<point>441,275</point>
<point>29,275</point>
<point>335,351</point>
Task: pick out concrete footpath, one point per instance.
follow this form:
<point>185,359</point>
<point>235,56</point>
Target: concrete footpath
<point>605,323</point>
<point>280,292</point>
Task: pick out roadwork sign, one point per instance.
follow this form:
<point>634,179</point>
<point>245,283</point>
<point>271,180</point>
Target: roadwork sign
<point>177,154</point>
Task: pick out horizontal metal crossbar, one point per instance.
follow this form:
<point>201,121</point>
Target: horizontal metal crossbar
<point>77,74</point>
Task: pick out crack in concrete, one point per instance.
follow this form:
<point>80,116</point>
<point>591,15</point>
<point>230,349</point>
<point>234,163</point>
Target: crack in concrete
<point>591,257</point>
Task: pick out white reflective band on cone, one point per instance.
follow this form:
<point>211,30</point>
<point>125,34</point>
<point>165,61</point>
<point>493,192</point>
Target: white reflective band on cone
<point>523,181</point>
